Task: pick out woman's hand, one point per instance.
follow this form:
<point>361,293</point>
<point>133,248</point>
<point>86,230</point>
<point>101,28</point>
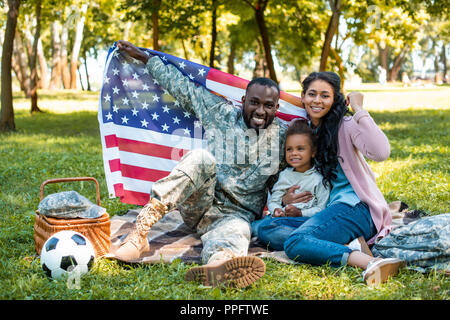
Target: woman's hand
<point>355,100</point>
<point>291,211</point>
<point>291,197</point>
<point>132,51</point>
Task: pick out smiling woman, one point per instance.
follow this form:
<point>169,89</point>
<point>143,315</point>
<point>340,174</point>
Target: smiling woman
<point>318,99</point>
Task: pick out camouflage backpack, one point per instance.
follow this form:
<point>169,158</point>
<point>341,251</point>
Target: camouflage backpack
<point>423,244</point>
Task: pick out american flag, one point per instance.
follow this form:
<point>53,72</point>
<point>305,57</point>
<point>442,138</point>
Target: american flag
<point>144,131</point>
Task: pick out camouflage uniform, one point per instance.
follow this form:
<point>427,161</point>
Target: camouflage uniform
<point>219,192</point>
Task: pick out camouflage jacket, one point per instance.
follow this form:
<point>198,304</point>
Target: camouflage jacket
<point>246,163</point>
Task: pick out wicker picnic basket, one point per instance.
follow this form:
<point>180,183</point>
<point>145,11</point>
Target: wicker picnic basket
<point>97,230</point>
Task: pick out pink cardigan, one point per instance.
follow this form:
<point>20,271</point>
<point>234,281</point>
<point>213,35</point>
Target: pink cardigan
<point>360,137</point>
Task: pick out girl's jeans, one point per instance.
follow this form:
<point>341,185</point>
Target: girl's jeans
<point>319,239</point>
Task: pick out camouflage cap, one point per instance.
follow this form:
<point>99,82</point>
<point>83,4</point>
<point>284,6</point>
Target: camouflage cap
<point>69,205</point>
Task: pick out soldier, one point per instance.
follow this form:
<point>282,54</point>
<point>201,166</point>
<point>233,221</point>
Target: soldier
<point>221,191</point>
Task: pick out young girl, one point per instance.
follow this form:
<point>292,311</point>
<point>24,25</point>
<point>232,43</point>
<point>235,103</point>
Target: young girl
<point>300,149</point>
<point>356,207</point>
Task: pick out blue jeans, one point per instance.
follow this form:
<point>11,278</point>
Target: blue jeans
<point>319,239</point>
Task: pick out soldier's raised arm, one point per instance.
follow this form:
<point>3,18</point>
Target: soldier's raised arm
<point>192,97</point>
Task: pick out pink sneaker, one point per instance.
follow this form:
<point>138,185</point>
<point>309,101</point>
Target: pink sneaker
<point>379,270</point>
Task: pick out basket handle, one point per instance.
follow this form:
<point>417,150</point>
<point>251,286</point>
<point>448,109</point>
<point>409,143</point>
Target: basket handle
<point>69,180</point>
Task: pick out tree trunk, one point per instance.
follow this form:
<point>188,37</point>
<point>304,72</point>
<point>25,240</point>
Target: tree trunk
<point>27,43</point>
<point>44,79</point>
<point>213,34</point>
<point>21,58</point>
<point>186,52</point>
<point>76,47</point>
<point>231,58</point>
<point>17,71</point>
<point>7,110</point>
<point>259,69</point>
<point>80,79</point>
<point>436,69</point>
<point>65,71</point>
<point>33,58</point>
<point>393,73</point>
<point>444,62</point>
<point>398,61</point>
<point>155,24</point>
<point>259,15</point>
<point>435,54</point>
<point>340,67</point>
<point>55,80</point>
<point>383,56</point>
<point>87,73</point>
<point>329,34</point>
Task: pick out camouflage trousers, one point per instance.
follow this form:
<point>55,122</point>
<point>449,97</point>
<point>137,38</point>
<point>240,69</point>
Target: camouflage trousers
<point>223,226</point>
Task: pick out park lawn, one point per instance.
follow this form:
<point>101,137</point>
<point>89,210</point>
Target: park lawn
<point>63,143</point>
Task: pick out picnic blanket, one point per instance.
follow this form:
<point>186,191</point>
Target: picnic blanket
<point>171,239</point>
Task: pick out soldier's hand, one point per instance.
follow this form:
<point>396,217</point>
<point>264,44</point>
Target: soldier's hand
<point>132,50</point>
<point>291,211</point>
<point>291,197</point>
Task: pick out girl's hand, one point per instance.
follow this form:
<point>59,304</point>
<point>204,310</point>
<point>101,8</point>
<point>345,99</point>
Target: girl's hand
<point>291,197</point>
<point>355,100</point>
<point>278,212</point>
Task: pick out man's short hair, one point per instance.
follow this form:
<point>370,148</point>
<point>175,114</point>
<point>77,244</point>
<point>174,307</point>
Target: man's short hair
<point>264,82</point>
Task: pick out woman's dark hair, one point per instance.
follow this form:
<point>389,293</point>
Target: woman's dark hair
<point>300,126</point>
<point>326,159</point>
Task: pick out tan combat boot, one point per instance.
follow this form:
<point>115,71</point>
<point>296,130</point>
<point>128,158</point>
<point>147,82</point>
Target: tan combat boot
<point>237,272</point>
<point>136,241</point>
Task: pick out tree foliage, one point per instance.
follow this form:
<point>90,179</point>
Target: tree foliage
<point>273,38</point>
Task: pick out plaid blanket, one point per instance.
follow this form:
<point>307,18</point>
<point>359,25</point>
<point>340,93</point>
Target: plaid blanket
<point>171,239</point>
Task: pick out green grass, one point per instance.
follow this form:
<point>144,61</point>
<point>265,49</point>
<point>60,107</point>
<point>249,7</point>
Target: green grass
<point>63,143</point>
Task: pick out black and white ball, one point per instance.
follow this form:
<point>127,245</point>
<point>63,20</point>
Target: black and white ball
<point>66,252</point>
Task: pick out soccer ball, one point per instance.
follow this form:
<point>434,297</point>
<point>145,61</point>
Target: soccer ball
<point>67,252</point>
